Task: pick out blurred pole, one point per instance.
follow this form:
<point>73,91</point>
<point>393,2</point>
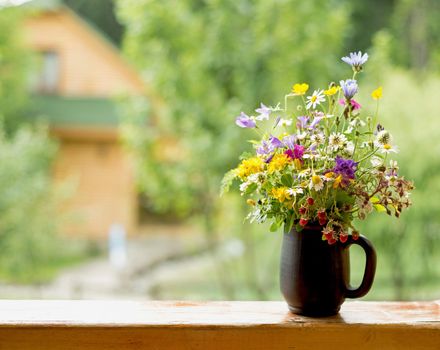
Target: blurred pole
<point>117,246</point>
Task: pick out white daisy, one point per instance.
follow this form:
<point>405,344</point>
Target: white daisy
<point>316,182</point>
<point>295,191</point>
<point>316,98</point>
<point>318,139</point>
<point>382,138</point>
<point>337,141</point>
<point>285,122</point>
<point>349,147</point>
<point>388,148</point>
<point>376,161</point>
<point>303,173</point>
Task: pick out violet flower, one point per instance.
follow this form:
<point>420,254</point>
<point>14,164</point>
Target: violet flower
<point>356,60</point>
<point>276,143</point>
<point>244,121</point>
<point>289,141</point>
<point>349,88</point>
<point>302,122</point>
<point>345,167</point>
<point>266,147</point>
<point>263,111</point>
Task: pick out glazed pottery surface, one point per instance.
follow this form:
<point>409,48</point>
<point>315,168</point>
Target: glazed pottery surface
<point>315,276</point>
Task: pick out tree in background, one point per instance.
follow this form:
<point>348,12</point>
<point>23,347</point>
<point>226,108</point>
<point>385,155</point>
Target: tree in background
<point>14,64</point>
<point>27,203</point>
<point>415,28</point>
<point>101,13</point>
<point>208,59</point>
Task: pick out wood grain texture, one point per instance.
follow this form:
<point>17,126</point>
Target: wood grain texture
<point>121,325</point>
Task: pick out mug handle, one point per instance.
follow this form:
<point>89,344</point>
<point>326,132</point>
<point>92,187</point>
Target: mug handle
<point>370,267</point>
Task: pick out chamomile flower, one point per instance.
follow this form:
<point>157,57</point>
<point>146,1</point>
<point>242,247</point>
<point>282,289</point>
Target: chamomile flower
<point>295,191</point>
<point>376,161</point>
<point>315,99</point>
<point>317,139</point>
<point>337,141</point>
<point>304,173</point>
<point>349,147</point>
<point>383,137</point>
<point>316,183</point>
<point>388,148</point>
<point>285,122</point>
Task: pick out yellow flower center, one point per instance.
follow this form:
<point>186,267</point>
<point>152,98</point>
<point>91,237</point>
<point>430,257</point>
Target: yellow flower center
<point>316,179</point>
<point>387,146</point>
<point>314,98</point>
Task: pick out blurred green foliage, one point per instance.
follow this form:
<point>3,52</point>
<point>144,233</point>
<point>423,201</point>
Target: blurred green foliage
<point>208,60</point>
<point>30,248</point>
<point>14,62</point>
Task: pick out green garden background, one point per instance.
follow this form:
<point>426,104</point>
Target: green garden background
<point>206,61</point>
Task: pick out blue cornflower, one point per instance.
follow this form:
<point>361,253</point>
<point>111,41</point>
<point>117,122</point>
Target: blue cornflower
<point>356,60</point>
<point>349,87</point>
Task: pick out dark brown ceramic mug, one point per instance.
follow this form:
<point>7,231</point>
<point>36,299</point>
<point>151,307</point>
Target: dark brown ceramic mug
<point>315,276</point>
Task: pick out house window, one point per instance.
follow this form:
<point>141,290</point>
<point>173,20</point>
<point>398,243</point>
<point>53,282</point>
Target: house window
<point>47,73</point>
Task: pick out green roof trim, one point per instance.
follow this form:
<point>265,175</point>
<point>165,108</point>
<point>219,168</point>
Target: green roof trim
<point>44,4</point>
<point>76,112</point>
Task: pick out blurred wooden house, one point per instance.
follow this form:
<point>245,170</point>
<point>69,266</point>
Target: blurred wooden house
<point>79,74</point>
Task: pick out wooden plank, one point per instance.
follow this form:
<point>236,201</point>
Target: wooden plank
<point>214,325</point>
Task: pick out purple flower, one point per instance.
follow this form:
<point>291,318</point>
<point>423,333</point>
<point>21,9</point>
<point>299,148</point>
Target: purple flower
<point>296,153</point>
<point>265,148</point>
<point>354,103</point>
<point>263,112</point>
<point>349,87</point>
<point>289,141</point>
<point>356,60</point>
<point>276,143</point>
<point>345,167</point>
<point>302,122</point>
<point>315,122</point>
<point>244,121</point>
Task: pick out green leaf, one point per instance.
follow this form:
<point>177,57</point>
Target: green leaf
<point>286,180</point>
<point>374,200</point>
<point>379,208</point>
<point>227,181</point>
<point>274,227</point>
<point>251,188</point>
<point>289,224</point>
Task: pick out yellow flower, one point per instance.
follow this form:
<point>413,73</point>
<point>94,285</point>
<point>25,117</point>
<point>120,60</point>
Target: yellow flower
<point>300,89</point>
<point>278,162</point>
<point>338,182</point>
<point>331,91</point>
<point>250,166</point>
<point>377,94</point>
<point>298,164</point>
<point>251,202</point>
<point>281,194</point>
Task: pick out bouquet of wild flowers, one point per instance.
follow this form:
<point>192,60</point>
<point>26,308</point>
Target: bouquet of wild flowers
<point>322,162</point>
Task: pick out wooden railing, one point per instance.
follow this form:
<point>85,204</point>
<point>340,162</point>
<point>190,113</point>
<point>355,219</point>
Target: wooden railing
<point>121,325</point>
